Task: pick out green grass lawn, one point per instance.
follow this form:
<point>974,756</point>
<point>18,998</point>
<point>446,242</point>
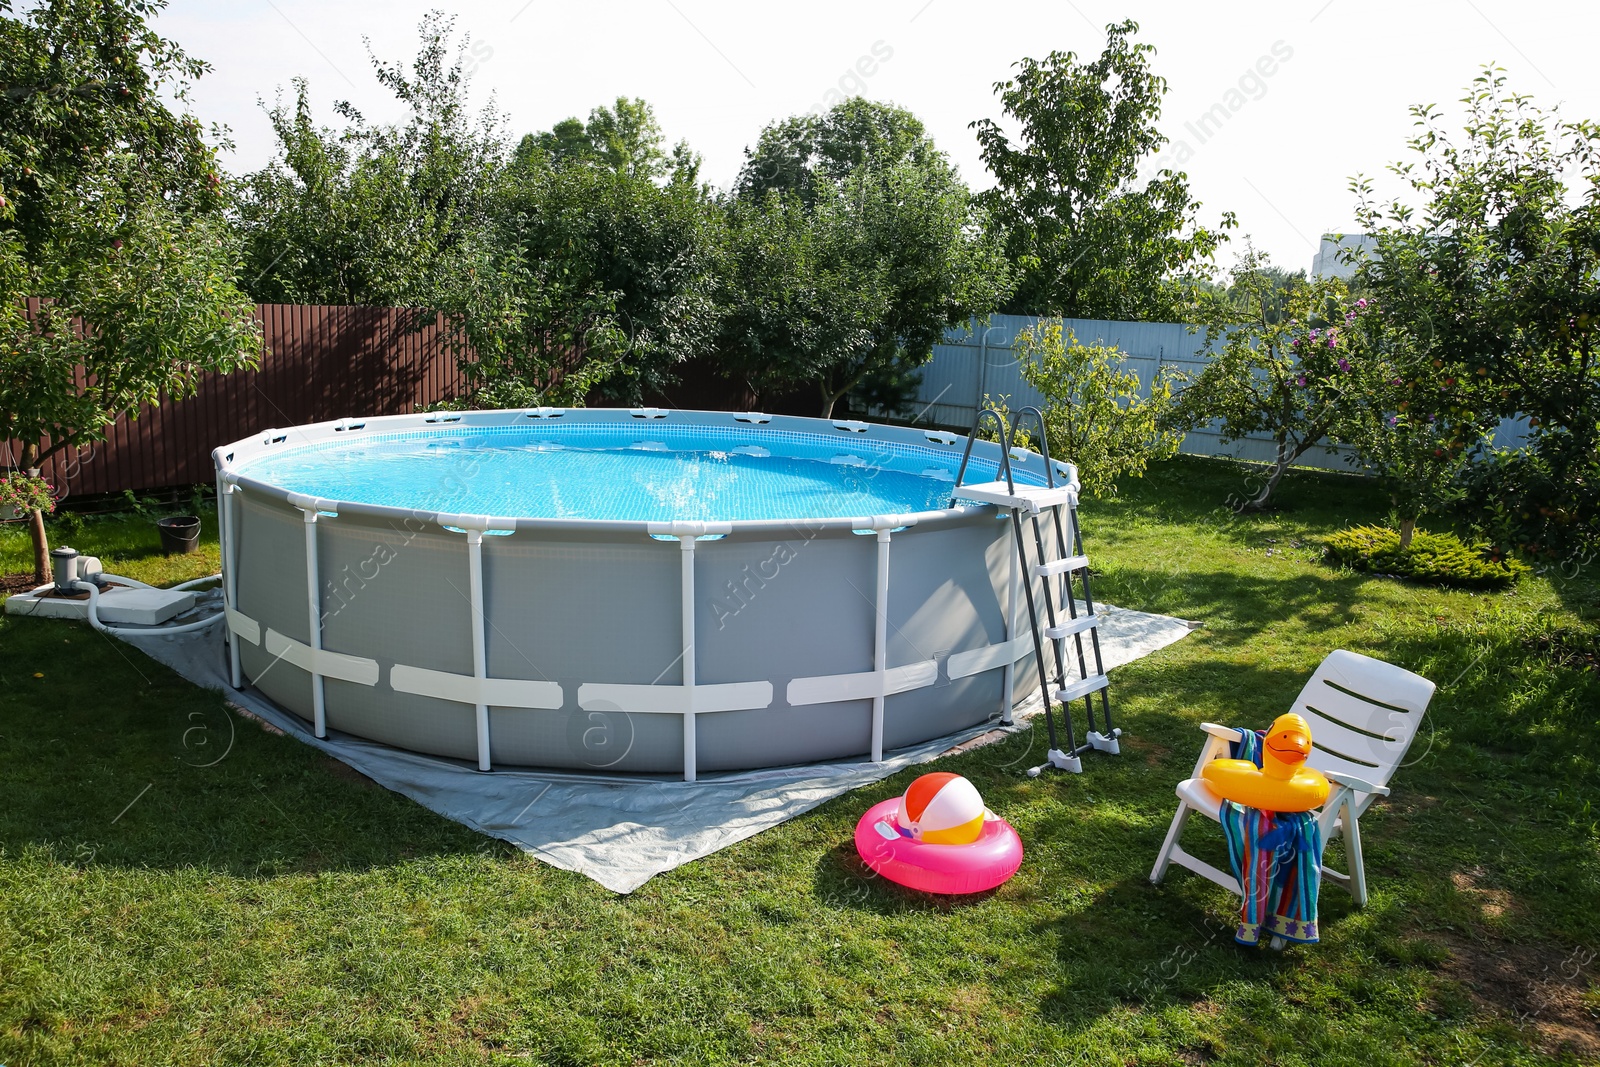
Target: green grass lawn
<point>126,544</point>
<point>275,908</point>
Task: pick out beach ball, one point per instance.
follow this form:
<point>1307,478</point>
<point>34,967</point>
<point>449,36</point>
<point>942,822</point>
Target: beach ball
<point>942,809</point>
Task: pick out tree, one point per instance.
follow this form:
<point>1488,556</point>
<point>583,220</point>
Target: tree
<point>1412,423</point>
<point>110,215</point>
<point>1089,240</point>
<point>588,279</point>
<point>1288,374</point>
<point>625,139</point>
<point>855,136</point>
<point>882,238</point>
<point>1093,409</point>
<point>375,214</point>
<point>1494,280</point>
<point>804,291</point>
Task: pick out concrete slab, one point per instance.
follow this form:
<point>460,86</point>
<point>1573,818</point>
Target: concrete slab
<point>123,606</point>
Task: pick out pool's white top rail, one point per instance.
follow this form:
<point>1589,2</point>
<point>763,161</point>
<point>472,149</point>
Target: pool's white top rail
<point>230,458</point>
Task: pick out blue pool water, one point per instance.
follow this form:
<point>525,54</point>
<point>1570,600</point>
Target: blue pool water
<point>646,473</point>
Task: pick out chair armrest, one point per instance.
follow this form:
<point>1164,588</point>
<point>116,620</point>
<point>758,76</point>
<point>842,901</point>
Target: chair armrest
<point>1360,785</point>
<point>1216,744</point>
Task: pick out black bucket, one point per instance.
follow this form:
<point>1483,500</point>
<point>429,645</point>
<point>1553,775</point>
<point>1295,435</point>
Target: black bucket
<point>179,534</point>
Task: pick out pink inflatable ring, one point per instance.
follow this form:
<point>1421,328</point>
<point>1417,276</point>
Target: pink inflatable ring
<point>952,869</point>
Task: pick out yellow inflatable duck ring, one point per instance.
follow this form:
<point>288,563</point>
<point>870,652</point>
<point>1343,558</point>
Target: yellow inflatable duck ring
<point>1283,782</point>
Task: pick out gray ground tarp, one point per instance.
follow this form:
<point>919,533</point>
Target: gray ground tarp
<point>619,831</point>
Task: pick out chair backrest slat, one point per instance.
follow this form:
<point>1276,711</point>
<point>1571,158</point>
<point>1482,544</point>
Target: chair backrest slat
<point>1332,738</point>
<point>1364,714</point>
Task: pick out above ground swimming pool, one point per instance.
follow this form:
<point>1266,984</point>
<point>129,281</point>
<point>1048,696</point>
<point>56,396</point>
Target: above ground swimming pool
<point>619,590</point>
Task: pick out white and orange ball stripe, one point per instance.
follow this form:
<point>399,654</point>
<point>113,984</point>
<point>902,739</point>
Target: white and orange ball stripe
<point>942,809</point>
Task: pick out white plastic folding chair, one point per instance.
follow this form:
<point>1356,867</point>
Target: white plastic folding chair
<point>1364,714</point>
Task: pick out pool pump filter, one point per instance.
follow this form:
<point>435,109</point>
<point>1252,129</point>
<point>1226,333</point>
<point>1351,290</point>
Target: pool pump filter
<point>64,568</point>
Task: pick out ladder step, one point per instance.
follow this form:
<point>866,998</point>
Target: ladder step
<point>1029,498</point>
<point>1060,566</point>
<point>1072,626</point>
<point>1082,688</point>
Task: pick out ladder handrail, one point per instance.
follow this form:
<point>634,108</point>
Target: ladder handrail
<point>1044,439</point>
<point>1003,432</point>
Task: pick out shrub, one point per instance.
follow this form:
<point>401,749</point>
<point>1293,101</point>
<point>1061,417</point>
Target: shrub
<point>1097,418</point>
<point>1443,559</point>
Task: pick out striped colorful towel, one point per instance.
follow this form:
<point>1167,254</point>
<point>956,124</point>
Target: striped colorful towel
<point>1277,857</point>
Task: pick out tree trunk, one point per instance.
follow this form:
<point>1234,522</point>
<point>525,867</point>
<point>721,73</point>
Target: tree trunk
<point>1279,467</point>
<point>1407,528</point>
<point>41,541</point>
<point>41,547</point>
<point>830,399</point>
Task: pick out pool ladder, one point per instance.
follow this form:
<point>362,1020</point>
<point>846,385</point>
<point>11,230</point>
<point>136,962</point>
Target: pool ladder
<point>1069,565</point>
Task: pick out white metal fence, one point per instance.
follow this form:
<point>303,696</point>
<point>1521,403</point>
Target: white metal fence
<point>979,360</point>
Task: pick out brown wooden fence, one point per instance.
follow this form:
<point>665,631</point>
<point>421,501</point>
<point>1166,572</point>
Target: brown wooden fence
<point>317,363</point>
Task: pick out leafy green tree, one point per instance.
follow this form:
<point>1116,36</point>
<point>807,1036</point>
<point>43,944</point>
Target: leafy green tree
<point>1411,422</point>
<point>1094,410</point>
<point>625,139</point>
<point>1289,372</point>
<point>1090,241</point>
<point>110,214</point>
<point>1494,279</point>
<point>375,214</point>
<point>803,294</point>
<point>855,136</point>
<point>588,280</point>
<point>883,247</point>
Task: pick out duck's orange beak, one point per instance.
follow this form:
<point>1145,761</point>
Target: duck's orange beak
<point>1291,745</point>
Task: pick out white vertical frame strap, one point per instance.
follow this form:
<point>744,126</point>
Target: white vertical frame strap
<point>319,709</point>
<point>230,575</point>
<point>477,689</point>
<point>480,656</point>
<point>880,642</point>
<point>686,584</point>
<point>241,627</point>
<point>883,681</point>
<point>311,657</point>
<point>689,699</point>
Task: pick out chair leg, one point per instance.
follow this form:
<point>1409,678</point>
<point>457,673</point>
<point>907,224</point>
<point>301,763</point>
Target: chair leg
<point>1352,848</point>
<point>1159,871</point>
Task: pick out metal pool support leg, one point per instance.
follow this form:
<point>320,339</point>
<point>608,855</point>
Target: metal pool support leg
<point>319,709</point>
<point>686,545</point>
<point>480,660</point>
<point>880,643</point>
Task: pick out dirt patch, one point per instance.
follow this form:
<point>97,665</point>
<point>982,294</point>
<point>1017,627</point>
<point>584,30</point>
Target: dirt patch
<point>991,738</point>
<point>1493,903</point>
<point>12,584</point>
<point>1154,755</point>
<point>1576,649</point>
<point>1538,988</point>
<point>246,713</point>
<point>17,583</point>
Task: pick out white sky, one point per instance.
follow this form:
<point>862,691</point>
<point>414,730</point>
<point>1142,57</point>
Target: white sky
<point>716,72</point>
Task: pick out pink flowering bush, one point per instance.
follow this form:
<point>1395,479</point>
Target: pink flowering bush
<point>26,494</point>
